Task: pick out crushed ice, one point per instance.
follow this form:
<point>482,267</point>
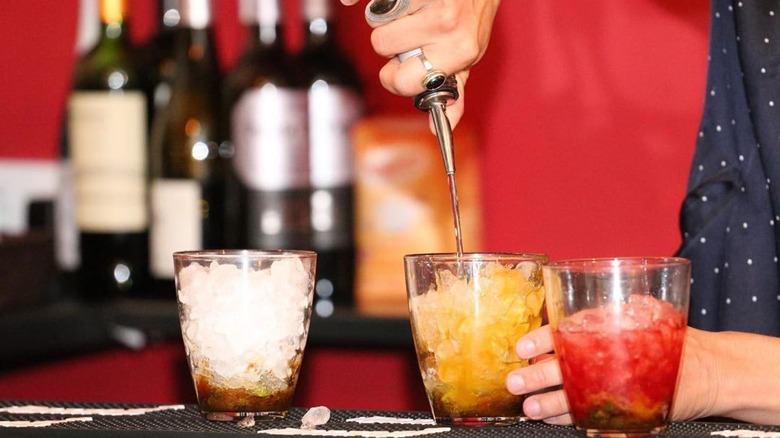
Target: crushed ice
<point>316,416</point>
<point>245,325</point>
<point>246,422</point>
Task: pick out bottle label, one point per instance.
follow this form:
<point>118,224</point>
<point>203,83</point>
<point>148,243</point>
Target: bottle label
<point>177,222</point>
<point>195,14</point>
<point>107,135</point>
<point>333,111</point>
<point>265,13</point>
<point>66,232</point>
<point>269,130</point>
<point>317,9</point>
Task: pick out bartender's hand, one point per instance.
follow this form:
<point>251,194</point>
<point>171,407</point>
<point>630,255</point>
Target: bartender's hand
<point>453,35</point>
<point>697,394</point>
<point>542,377</point>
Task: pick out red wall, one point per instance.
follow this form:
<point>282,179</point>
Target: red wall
<point>588,111</point>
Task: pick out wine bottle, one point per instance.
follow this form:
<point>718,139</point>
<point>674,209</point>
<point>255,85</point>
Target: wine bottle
<point>334,105</point>
<point>158,52</point>
<point>108,112</point>
<point>66,232</point>
<point>187,165</point>
<point>266,102</point>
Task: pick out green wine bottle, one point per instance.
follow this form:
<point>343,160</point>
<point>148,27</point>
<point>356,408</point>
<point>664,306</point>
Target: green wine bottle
<point>108,113</point>
<point>188,164</point>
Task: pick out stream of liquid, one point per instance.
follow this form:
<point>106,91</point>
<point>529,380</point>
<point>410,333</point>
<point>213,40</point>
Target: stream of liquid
<point>455,212</point>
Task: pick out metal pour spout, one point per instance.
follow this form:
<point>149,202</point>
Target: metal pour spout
<point>435,102</point>
<point>440,91</point>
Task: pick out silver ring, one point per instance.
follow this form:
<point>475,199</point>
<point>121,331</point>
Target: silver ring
<point>434,78</point>
<point>410,54</point>
<point>419,54</point>
<point>382,11</point>
<point>425,62</point>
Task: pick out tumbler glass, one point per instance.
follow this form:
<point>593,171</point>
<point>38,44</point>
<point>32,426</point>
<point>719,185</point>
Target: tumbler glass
<point>618,328</point>
<point>467,313</point>
<point>244,318</point>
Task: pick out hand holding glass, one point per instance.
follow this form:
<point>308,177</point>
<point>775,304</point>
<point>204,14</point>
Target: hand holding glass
<point>618,329</point>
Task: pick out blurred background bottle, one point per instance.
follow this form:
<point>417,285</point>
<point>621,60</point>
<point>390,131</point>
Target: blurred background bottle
<point>266,102</point>
<point>108,112</point>
<point>158,52</point>
<point>66,231</point>
<point>187,165</point>
<point>334,106</point>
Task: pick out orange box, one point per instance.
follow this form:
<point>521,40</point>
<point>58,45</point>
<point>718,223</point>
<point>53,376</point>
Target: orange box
<point>403,203</point>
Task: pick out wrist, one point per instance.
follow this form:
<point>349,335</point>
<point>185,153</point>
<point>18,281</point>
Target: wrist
<point>698,385</point>
<point>749,380</point>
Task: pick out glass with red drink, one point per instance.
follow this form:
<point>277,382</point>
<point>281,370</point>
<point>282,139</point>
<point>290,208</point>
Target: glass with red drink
<point>618,328</point>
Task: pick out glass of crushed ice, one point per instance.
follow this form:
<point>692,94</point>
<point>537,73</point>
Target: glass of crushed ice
<point>467,313</point>
<point>244,318</point>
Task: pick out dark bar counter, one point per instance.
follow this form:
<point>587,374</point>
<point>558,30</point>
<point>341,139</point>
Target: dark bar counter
<point>185,420</point>
<point>66,328</point>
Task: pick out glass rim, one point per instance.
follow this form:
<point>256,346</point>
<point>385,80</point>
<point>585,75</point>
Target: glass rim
<point>478,256</point>
<point>613,262</point>
<point>233,253</point>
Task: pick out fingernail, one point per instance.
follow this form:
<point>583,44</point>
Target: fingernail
<point>532,409</point>
<point>516,384</point>
<point>526,347</point>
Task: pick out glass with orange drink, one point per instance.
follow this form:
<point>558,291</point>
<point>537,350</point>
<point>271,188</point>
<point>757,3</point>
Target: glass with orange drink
<point>467,313</point>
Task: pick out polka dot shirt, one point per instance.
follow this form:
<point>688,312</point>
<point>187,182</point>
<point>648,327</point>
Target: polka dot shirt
<point>731,215</point>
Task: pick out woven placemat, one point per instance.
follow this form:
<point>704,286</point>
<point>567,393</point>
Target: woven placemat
<point>189,421</point>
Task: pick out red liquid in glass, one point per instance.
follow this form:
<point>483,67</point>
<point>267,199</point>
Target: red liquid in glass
<point>620,363</point>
